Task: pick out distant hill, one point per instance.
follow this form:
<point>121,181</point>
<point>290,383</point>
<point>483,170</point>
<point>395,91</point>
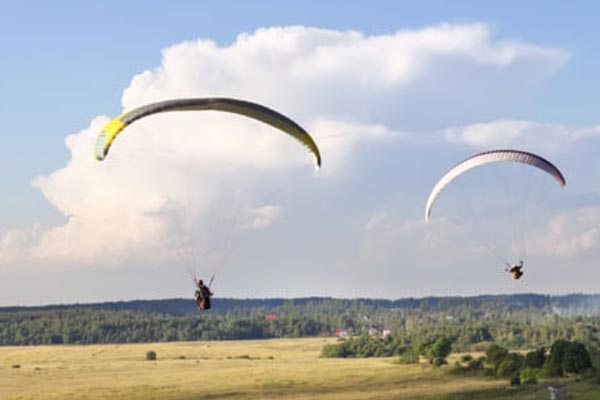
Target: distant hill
<point>565,305</point>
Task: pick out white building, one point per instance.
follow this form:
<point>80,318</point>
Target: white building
<point>557,392</point>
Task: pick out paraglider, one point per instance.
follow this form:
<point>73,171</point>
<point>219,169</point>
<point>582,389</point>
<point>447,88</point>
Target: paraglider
<point>203,295</point>
<point>515,270</point>
<point>490,157</point>
<point>248,109</point>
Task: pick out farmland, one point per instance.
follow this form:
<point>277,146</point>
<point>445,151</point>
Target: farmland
<point>277,368</point>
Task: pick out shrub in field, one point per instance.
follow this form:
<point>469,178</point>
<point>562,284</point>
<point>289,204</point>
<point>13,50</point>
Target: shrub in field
<point>334,351</point>
<point>476,364</point>
<point>595,358</point>
<point>553,367</point>
<point>16,366</point>
<point>466,358</point>
<point>515,380</point>
<point>151,355</point>
<point>409,357</point>
<point>565,356</point>
<point>510,365</point>
<point>551,370</point>
<point>437,351</point>
<point>577,359</point>
<point>529,376</point>
<point>495,355</point>
<point>438,361</point>
<point>364,346</point>
<point>536,358</point>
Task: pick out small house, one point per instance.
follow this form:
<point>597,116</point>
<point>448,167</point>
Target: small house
<point>557,392</point>
<point>379,330</point>
<point>341,332</point>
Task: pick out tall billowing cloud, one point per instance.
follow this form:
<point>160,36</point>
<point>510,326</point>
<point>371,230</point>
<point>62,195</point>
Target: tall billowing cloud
<point>361,97</point>
<point>412,78</point>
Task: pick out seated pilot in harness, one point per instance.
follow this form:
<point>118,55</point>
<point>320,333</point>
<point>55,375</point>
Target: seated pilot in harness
<point>515,270</point>
<point>203,295</point>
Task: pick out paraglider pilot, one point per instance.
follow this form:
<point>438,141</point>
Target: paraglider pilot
<point>515,270</point>
<point>203,295</point>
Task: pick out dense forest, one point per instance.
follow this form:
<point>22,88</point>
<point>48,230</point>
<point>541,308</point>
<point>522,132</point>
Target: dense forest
<point>470,323</point>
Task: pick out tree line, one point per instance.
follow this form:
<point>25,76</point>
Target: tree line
<point>470,323</point>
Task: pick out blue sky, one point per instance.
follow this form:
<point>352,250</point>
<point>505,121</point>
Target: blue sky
<point>65,63</point>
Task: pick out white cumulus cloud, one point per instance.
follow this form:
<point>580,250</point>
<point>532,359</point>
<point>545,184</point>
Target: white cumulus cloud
<point>347,88</point>
<point>263,217</point>
<point>549,138</point>
<point>574,233</point>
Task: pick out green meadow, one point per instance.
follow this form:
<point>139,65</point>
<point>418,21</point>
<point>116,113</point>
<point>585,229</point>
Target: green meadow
<point>261,369</point>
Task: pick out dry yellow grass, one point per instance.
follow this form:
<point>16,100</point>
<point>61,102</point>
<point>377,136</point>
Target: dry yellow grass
<point>262,369</point>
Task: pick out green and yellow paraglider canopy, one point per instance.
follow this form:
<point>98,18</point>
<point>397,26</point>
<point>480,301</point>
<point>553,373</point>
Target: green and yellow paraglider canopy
<point>241,107</point>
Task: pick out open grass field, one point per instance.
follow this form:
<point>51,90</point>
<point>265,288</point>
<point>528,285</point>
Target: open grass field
<point>263,369</point>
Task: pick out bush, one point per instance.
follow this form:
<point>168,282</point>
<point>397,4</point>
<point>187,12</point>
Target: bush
<point>476,364</point>
<point>334,351</point>
<point>466,358</point>
<point>529,376</point>
<point>553,367</point>
<point>410,357</point>
<point>364,346</point>
<point>577,359</point>
<point>535,359</point>
<point>16,366</point>
<point>515,380</point>
<point>488,372</point>
<point>551,370</point>
<point>474,368</point>
<point>495,355</point>
<point>595,358</point>
<point>437,351</point>
<point>565,356</point>
<point>151,355</point>
<point>509,366</point>
<point>438,362</point>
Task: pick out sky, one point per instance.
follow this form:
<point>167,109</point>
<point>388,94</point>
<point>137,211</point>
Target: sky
<point>394,93</point>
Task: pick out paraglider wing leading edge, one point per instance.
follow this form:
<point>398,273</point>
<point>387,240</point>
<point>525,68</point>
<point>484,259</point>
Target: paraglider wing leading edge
<point>251,110</point>
<point>488,157</point>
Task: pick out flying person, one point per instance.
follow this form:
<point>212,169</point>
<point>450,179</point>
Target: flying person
<point>515,270</point>
<point>111,131</point>
<point>203,295</point>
